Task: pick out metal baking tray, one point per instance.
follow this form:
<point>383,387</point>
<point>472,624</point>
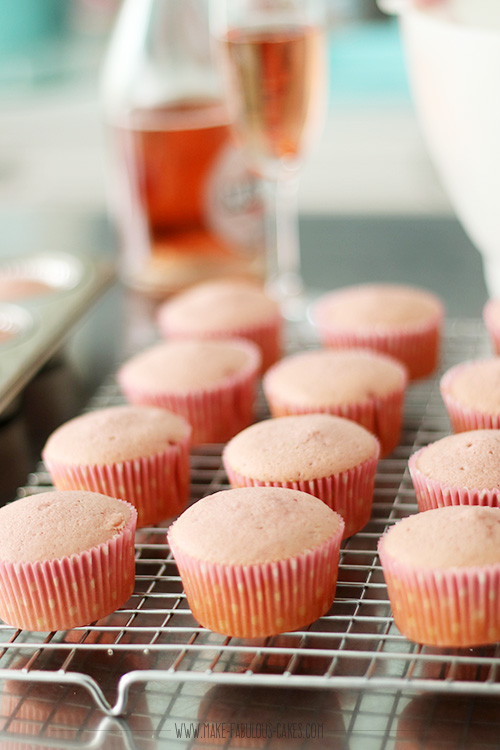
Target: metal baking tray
<point>34,324</point>
<point>154,639</point>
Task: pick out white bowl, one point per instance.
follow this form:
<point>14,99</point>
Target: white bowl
<point>453,58</point>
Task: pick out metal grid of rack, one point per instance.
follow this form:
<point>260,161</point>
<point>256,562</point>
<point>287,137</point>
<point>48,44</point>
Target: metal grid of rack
<point>154,638</point>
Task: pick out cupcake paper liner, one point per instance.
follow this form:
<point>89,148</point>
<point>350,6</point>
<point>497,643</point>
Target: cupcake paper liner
<point>454,607</point>
<point>433,494</point>
<point>464,418</point>
<point>70,591</point>
<point>157,486</point>
<point>418,348</point>
<point>381,415</point>
<point>492,325</point>
<point>263,599</point>
<point>216,414</point>
<point>267,336</point>
<point>350,493</point>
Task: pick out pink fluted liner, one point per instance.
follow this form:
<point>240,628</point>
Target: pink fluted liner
<point>70,591</point>
<point>157,486</point>
<point>267,336</point>
<point>381,415</point>
<point>453,607</point>
<point>418,348</point>
<point>254,601</point>
<point>433,494</point>
<point>349,493</point>
<point>492,324</point>
<point>464,418</point>
<point>215,413</point>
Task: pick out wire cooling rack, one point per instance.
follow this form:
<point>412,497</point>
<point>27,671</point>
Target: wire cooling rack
<point>154,637</point>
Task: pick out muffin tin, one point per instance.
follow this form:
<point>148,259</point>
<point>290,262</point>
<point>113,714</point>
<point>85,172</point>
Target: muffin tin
<point>42,296</point>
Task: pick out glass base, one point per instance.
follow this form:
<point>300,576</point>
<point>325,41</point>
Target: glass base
<point>294,301</point>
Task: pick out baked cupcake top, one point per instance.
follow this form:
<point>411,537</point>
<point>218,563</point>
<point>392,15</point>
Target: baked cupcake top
<point>448,537</point>
<point>253,525</point>
<point>296,448</point>
<point>467,459</point>
<point>217,306</point>
<point>119,433</point>
<point>475,383</point>
<point>189,365</point>
<point>380,306</point>
<point>58,524</point>
<point>334,377</point>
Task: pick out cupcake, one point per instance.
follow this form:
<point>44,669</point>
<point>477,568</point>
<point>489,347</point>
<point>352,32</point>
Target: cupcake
<point>332,458</point>
<point>491,318</point>
<point>66,559</point>
<point>402,321</point>
<point>225,309</point>
<point>358,384</point>
<point>257,561</point>
<point>461,469</point>
<point>471,394</point>
<point>135,453</point>
<point>442,570</point>
<point>210,383</point>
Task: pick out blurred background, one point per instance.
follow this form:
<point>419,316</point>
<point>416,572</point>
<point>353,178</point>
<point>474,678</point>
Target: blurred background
<point>371,160</point>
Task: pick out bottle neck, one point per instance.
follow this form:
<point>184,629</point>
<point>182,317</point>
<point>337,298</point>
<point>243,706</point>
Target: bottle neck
<point>160,52</point>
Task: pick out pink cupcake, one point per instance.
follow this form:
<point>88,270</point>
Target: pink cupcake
<point>66,559</point>
<point>257,561</point>
<point>332,458</point>
<point>135,453</point>
<point>212,384</point>
<point>225,309</point>
<point>442,570</point>
<point>402,321</point>
<point>358,384</point>
<point>461,469</point>
<point>471,394</point>
<point>491,317</point>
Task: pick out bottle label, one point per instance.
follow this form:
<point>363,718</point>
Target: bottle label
<point>233,203</point>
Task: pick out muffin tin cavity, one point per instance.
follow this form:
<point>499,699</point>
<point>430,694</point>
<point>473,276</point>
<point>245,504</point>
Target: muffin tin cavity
<point>15,324</point>
<point>42,296</point>
<point>38,276</point>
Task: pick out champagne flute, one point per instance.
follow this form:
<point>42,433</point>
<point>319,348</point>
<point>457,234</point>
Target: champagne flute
<point>273,57</point>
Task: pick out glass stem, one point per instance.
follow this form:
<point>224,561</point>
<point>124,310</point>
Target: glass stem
<point>284,281</point>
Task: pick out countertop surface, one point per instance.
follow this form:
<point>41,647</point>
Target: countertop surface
<point>432,252</point>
